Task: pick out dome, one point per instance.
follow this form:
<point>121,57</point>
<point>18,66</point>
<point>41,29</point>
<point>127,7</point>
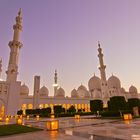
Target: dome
<point>122,90</point>
<point>97,94</point>
<point>87,94</point>
<point>82,87</point>
<point>43,91</point>
<point>60,92</point>
<point>24,90</point>
<point>133,89</point>
<point>94,83</point>
<point>114,82</point>
<point>74,93</point>
<point>82,91</point>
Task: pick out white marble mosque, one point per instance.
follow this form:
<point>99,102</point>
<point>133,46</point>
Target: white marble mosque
<point>14,96</point>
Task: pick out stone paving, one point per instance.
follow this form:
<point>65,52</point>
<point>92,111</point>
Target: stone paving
<point>82,129</point>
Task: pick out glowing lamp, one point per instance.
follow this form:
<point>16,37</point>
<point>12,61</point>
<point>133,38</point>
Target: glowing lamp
<point>52,116</point>
<point>52,124</point>
<point>37,117</point>
<point>55,85</point>
<point>6,120</point>
<point>28,117</point>
<point>1,119</point>
<point>77,116</point>
<point>127,116</point>
<point>19,121</point>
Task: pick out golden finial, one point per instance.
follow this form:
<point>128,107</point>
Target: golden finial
<point>20,12</point>
<point>99,44</point>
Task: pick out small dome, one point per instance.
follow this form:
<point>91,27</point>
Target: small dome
<point>94,83</point>
<point>43,91</point>
<point>114,82</point>
<point>82,87</point>
<point>74,93</point>
<point>82,91</point>
<point>60,92</point>
<point>24,90</point>
<point>122,90</point>
<point>133,89</point>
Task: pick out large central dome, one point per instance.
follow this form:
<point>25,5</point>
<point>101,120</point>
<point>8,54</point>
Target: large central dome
<point>114,82</point>
<point>94,83</point>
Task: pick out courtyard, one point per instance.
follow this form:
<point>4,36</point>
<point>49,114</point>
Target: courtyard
<point>87,127</point>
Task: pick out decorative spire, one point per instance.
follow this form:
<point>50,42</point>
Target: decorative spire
<point>55,77</point>
<point>20,13</point>
<point>55,85</point>
<point>99,44</point>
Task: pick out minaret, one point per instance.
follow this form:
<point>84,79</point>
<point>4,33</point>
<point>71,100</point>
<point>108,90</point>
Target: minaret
<point>102,66</point>
<point>104,86</point>
<point>15,46</point>
<point>55,85</point>
<point>36,92</point>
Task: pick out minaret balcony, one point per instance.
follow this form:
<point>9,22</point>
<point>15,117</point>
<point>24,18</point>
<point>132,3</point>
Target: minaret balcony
<point>15,43</point>
<point>17,27</point>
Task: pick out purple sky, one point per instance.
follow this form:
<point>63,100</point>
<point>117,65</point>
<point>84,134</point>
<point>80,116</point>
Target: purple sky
<point>63,35</point>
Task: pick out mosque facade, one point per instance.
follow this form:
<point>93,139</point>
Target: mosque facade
<point>15,96</point>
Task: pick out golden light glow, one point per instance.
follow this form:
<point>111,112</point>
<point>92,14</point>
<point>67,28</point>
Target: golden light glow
<point>52,125</point>
<point>6,120</point>
<point>41,106</point>
<point>55,85</point>
<point>28,117</point>
<point>53,134</point>
<point>19,121</point>
<point>127,121</point>
<point>77,116</point>
<point>30,106</point>
<point>127,116</point>
<point>24,107</point>
<point>1,119</point>
<point>105,106</point>
<point>52,116</point>
<point>37,117</point>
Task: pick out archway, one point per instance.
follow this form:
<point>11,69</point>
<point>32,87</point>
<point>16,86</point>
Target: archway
<point>2,108</point>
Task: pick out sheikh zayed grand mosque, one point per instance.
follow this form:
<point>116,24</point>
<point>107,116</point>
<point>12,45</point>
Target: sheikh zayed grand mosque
<point>14,96</point>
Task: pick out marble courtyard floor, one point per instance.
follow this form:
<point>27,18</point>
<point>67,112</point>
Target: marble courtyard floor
<point>82,129</point>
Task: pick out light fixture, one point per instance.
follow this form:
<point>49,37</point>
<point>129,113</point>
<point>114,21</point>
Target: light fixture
<point>6,120</point>
<point>19,121</point>
<point>52,124</point>
<point>127,116</point>
<point>77,116</point>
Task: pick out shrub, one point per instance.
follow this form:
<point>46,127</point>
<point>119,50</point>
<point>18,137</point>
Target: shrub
<point>133,102</point>
<point>71,109</point>
<point>57,109</point>
<point>19,112</point>
<point>117,103</point>
<point>96,105</point>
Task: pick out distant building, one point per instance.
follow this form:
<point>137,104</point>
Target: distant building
<point>14,96</point>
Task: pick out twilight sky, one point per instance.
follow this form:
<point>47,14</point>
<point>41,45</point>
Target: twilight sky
<point>63,35</point>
